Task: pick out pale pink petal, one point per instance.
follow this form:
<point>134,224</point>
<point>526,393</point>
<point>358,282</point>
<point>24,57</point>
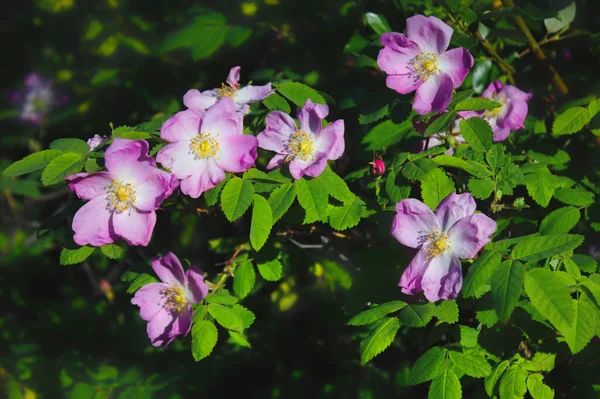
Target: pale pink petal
<point>222,119</point>
<point>184,125</point>
<point>515,94</point>
<point>457,63</point>
<point>430,33</point>
<point>470,234</point>
<point>91,224</point>
<point>515,115</point>
<point>168,268</point>
<point>454,208</point>
<point>404,84</point>
<point>279,128</point>
<point>443,277</point>
<point>413,222</point>
<point>198,102</point>
<point>251,94</point>
<point>410,282</point>
<point>150,299</point>
<point>196,287</point>
<point>178,158</point>
<point>297,169</point>
<point>396,57</point>
<point>493,88</point>
<point>237,153</point>
<point>206,176</point>
<point>135,227</point>
<point>433,95</point>
<point>315,168</point>
<point>330,140</point>
<point>181,325</point>
<point>88,186</point>
<point>233,78</point>
<point>500,133</point>
<point>153,191</point>
<point>277,161</point>
<point>128,160</point>
<point>158,328</point>
<point>311,117</point>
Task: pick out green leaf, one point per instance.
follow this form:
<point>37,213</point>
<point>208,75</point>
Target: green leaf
<point>564,18</point>
<point>372,315</point>
<point>576,196</point>
<point>428,366</point>
<point>381,336</point>
<point>476,104</point>
<point>443,122</point>
<point>204,339</point>
<point>475,168</point>
<point>447,312</point>
<point>130,133</point>
<point>211,197</point>
<point>468,336</point>
<point>245,314</point>
<point>571,121</point>
<point>395,193</point>
<point>540,362</point>
<point>481,188</point>
<point>348,215</point>
<point>585,263</point>
<point>239,339</point>
<point>277,103</point>
<point>270,271</point>
<point>480,273</point>
<point>506,287</point>
<point>560,221</point>
<point>472,365</point>
<point>336,186</point>
<point>512,384</point>
<point>74,256</point>
<point>238,35</point>
<point>377,114</point>
<point>417,315</point>
<point>281,199</point>
<point>541,185</point>
<point>537,389</point>
<point>492,379</point>
<point>583,329</point>
<point>244,278</point>
<point>221,297</point>
<point>377,22</point>
<point>62,166</point>
<point>226,317</point>
<point>139,281</point>
<point>236,197</point>
<point>298,93</point>
<point>70,145</point>
<point>478,133</point>
<point>436,187</point>
<point>386,134</point>
<point>313,197</point>
<point>445,386</point>
<point>112,251</point>
<point>549,295</point>
<point>535,248</point>
<point>31,163</point>
<point>420,169</point>
<point>262,221</point>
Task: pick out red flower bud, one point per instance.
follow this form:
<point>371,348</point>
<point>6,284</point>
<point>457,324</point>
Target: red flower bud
<point>377,167</point>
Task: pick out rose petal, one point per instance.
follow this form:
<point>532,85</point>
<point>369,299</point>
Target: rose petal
<point>199,102</point>
<point>237,153</point>
<point>178,158</point>
<point>222,119</point>
<point>398,52</point>
<point>433,95</point>
<point>234,76</point>
<point>279,128</point>
<point>91,223</point>
<point>135,227</point>
<point>330,140</point>
<point>153,191</point>
<point>184,125</point>
<point>456,63</point>
<point>277,161</point>
<point>149,299</point>
<point>413,221</point>
<point>453,208</point>
<point>88,186</point>
<point>128,160</point>
<point>159,327</point>
<point>251,94</point>
<point>443,277</point>
<point>196,286</point>
<point>311,117</point>
<point>430,33</point>
<point>403,84</point>
<point>207,176</point>
<point>410,282</point>
<point>168,268</point>
<point>470,234</point>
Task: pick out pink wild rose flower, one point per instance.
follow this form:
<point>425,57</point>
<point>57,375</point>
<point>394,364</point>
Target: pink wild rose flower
<point>442,238</point>
<point>419,62</point>
<point>308,147</point>
<point>167,306</point>
<point>199,101</point>
<point>96,141</point>
<point>203,147</point>
<point>122,200</point>
<point>512,113</point>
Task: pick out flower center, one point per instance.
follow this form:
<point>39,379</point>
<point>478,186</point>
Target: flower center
<point>426,65</point>
<point>204,146</point>
<point>226,91</point>
<point>121,196</point>
<point>302,146</point>
<point>437,242</point>
<point>494,112</point>
<point>175,299</point>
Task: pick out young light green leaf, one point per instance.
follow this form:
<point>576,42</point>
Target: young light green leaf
<point>507,283</point>
<point>585,263</point>
<point>480,273</point>
<point>387,133</point>
<point>62,166</point>
<point>420,169</point>
<point>478,133</point>
<point>31,163</point>
<point>535,248</point>
<point>414,315</point>
<point>277,103</point>
<point>281,199</point>
<point>560,221</point>
<point>481,188</point>
<point>74,256</point>
<point>541,185</point>
<point>372,315</point>
<point>576,196</point>
<point>436,187</point>
<point>70,145</point>
<point>381,336</point>
<point>221,297</point>
<point>395,193</point>
<point>270,271</point>
<point>472,365</point>
<point>112,251</point>
<point>537,389</point>
<point>239,339</point>
<point>447,312</point>
<point>298,93</point>
<point>204,339</point>
<point>226,317</point>
<point>564,18</point>
<point>492,379</point>
<point>130,133</point>
<point>348,215</point>
<point>475,168</point>
<point>378,23</point>
<point>313,197</point>
<point>581,332</point>
<point>512,384</point>
<point>443,122</point>
<point>336,186</point>
<point>540,362</point>
<point>245,314</point>
<point>373,115</point>
<point>236,197</point>
<point>468,336</point>
<point>428,366</point>
<point>445,386</point>
<point>244,279</point>
<point>476,104</point>
<point>262,221</point>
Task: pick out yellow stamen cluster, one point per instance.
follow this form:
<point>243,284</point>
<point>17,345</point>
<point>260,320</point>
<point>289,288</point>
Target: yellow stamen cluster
<point>437,242</point>
<point>204,145</point>
<point>175,299</point>
<point>121,196</point>
<point>226,91</point>
<point>426,65</point>
<point>302,146</point>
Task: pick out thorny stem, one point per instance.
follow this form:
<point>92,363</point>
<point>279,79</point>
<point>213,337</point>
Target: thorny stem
<point>227,271</point>
<point>537,50</point>
<point>554,38</point>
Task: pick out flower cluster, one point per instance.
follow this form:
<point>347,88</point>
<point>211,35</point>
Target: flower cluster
<point>37,99</point>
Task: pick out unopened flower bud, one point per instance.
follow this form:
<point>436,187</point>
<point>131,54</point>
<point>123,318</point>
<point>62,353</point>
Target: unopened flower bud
<point>377,167</point>
<point>451,140</point>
